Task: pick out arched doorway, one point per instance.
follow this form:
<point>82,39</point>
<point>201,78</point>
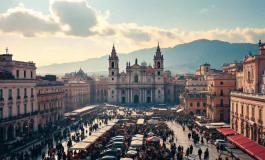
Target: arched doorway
<point>136,99</point>
<point>18,129</point>
<point>2,133</point>
<point>148,100</point>
<point>198,112</point>
<point>123,100</point>
<point>25,127</point>
<point>10,132</point>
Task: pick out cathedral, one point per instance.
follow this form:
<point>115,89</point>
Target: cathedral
<point>139,84</point>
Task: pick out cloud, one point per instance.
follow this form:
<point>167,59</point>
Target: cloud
<point>77,15</point>
<point>77,19</point>
<point>27,22</point>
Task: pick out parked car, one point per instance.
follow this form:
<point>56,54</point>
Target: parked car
<point>111,152</point>
<point>217,141</point>
<point>115,145</point>
<point>116,140</point>
<point>108,158</point>
<point>117,137</point>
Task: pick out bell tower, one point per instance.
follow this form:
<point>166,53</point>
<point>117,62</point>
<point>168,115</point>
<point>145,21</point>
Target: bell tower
<point>158,76</point>
<point>113,66</point>
<point>158,62</point>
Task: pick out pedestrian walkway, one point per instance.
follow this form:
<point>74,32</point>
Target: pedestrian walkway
<point>183,140</point>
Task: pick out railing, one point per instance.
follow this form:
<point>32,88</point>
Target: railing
<point>18,63</point>
<point>8,119</point>
<point>34,113</point>
<point>248,95</point>
<point>43,94</point>
<point>25,97</point>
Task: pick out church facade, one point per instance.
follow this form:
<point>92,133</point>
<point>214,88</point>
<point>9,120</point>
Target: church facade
<point>139,84</point>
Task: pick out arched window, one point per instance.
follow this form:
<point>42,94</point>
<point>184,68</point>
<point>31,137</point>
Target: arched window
<point>158,64</point>
<point>136,78</point>
<point>112,65</point>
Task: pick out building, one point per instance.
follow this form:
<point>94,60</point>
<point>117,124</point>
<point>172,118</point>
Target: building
<point>139,84</point>
<point>101,89</point>
<point>18,111</point>
<point>50,94</point>
<point>77,95</point>
<point>198,83</point>
<point>232,68</point>
<point>247,105</point>
<point>194,103</point>
<point>205,70</point>
<point>218,99</point>
<point>77,89</point>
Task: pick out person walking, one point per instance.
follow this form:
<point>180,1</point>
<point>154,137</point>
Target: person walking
<point>206,154</point>
<point>191,149</point>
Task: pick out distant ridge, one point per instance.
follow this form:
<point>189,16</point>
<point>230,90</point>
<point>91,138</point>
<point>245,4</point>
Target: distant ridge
<point>181,58</point>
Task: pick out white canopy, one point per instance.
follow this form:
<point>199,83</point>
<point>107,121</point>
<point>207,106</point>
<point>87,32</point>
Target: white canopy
<point>132,152</point>
<point>80,146</point>
<point>179,110</point>
<point>90,139</point>
<point>136,143</point>
<point>152,121</point>
<point>138,135</point>
<point>97,134</point>
<point>140,121</point>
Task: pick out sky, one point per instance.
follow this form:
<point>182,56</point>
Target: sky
<point>62,31</point>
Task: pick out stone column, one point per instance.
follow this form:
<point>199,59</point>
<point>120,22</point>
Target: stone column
<point>140,98</point>
<point>151,90</point>
<point>131,95</point>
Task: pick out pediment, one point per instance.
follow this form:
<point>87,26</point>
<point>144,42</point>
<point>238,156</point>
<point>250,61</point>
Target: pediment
<point>249,58</point>
<point>135,66</point>
<point>123,74</point>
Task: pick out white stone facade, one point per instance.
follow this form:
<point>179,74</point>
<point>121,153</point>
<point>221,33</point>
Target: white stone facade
<point>140,83</point>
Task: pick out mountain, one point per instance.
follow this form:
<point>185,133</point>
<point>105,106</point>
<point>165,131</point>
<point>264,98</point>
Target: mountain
<point>182,58</point>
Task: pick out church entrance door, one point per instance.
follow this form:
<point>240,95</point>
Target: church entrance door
<point>148,100</point>
<point>123,100</point>
<point>136,99</point>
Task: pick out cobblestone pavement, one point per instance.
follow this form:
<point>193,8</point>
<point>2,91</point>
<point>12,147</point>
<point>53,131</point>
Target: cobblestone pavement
<point>182,139</point>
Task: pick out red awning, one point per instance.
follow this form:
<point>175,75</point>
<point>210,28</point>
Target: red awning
<point>260,156</point>
<point>242,141</point>
<point>255,150</point>
<point>223,129</point>
<point>235,138</point>
<point>247,145</point>
<point>227,132</point>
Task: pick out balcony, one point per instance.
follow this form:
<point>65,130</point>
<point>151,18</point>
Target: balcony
<point>34,113</point>
<point>248,95</point>
<point>260,121</point>
<point>247,117</point>
<point>10,98</point>
<point>18,97</point>
<point>25,97</point>
<point>9,119</point>
<point>32,96</point>
<point>253,119</point>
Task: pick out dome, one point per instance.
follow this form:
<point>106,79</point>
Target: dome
<point>149,69</point>
<point>80,73</point>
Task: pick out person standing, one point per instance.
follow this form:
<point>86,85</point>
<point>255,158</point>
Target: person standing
<point>191,149</point>
<point>200,153</point>
<point>206,154</point>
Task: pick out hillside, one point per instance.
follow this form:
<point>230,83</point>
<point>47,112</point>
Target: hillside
<point>182,58</point>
